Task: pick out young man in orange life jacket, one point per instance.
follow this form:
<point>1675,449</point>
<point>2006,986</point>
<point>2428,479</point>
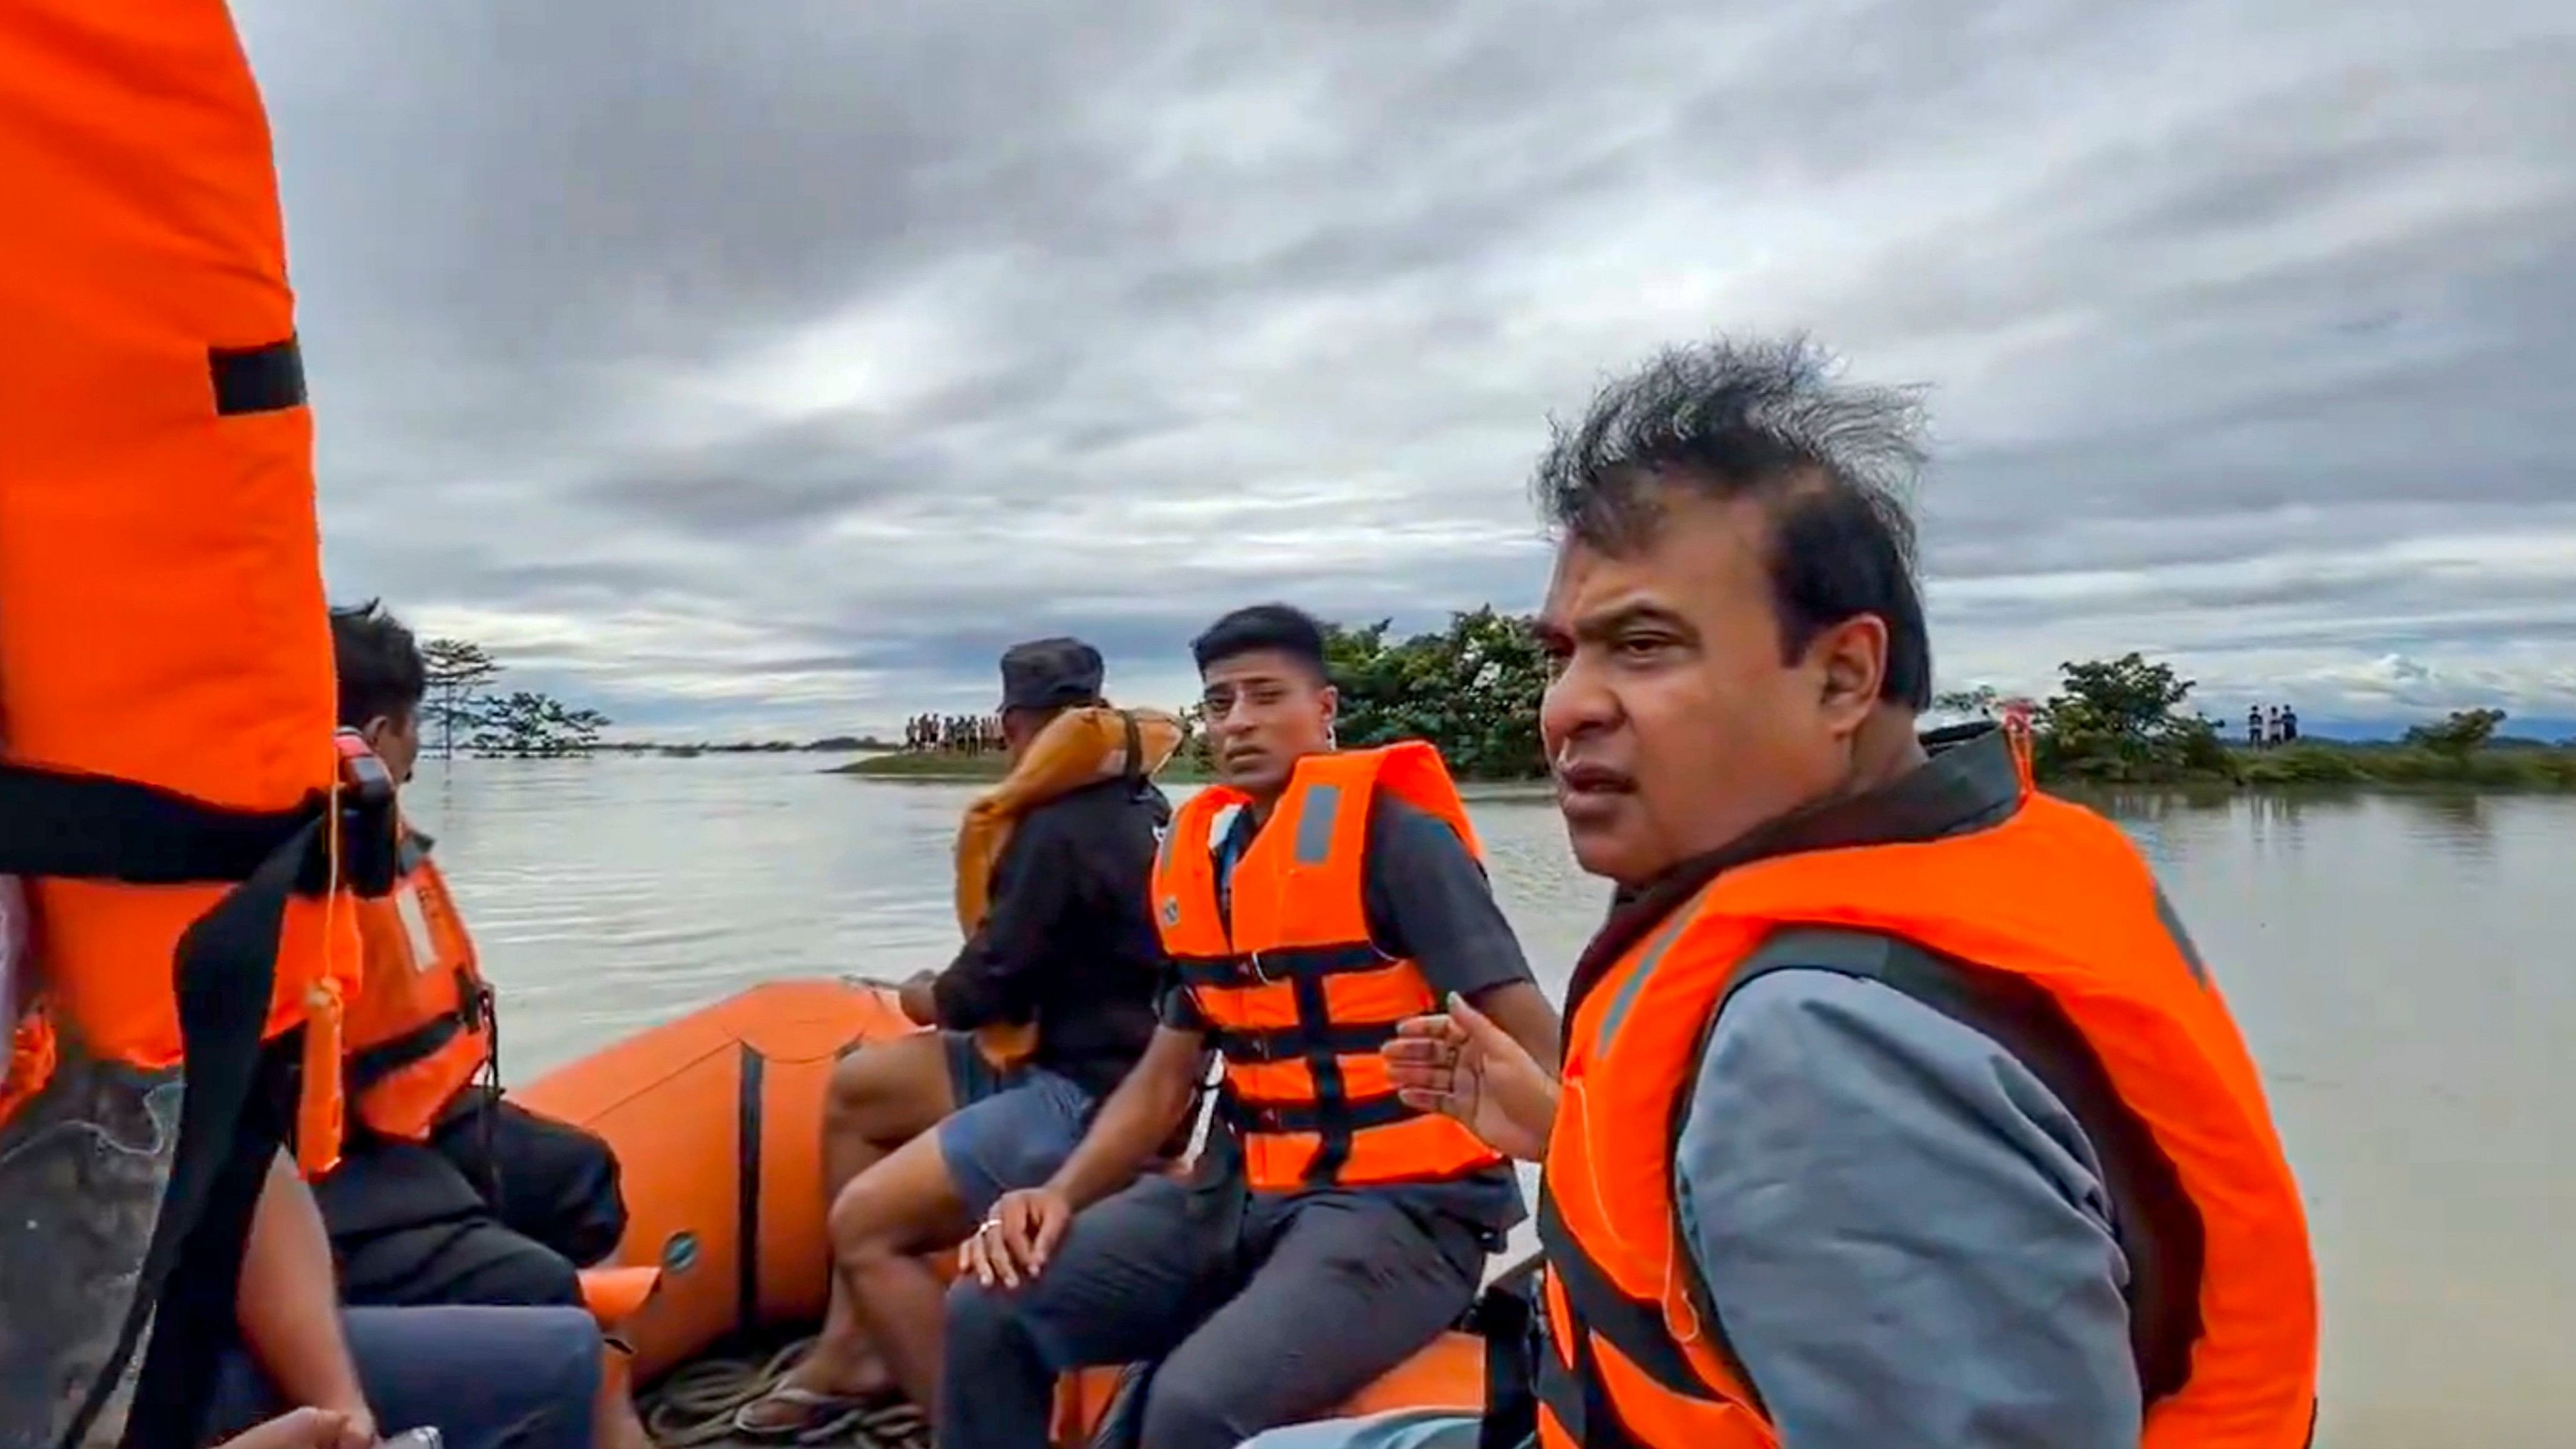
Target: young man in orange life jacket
<point>1897,1107</point>
<point>1309,901</point>
<point>448,1193</point>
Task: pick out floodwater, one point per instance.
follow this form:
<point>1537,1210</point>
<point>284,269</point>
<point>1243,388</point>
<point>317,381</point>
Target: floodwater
<point>2401,965</point>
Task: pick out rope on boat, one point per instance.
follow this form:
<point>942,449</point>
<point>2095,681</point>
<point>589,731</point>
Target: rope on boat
<point>693,1408</point>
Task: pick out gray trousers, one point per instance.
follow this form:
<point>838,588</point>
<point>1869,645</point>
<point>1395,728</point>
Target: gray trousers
<point>1262,1309</point>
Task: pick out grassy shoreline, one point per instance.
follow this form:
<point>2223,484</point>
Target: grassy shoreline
<point>942,766</point>
<point>2309,763</point>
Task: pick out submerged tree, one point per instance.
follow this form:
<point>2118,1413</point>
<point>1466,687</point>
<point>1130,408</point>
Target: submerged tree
<point>2123,721</point>
<point>459,670</point>
<point>2462,733</point>
<point>525,724</point>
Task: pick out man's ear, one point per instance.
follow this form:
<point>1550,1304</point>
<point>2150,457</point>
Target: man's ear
<point>1852,660</point>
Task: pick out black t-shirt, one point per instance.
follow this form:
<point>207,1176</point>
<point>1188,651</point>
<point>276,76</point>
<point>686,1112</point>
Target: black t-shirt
<point>1426,900</point>
<point>1069,938</point>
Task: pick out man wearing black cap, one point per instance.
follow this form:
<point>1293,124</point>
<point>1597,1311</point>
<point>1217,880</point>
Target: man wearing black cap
<point>923,1134</point>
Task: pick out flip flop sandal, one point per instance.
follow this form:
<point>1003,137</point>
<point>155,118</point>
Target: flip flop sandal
<point>819,1414</point>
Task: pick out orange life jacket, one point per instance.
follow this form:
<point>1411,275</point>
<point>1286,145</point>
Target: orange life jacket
<point>1296,995</point>
<point>169,784</point>
<point>1079,747</point>
<point>421,1027</point>
<point>165,647</point>
<point>2056,898</point>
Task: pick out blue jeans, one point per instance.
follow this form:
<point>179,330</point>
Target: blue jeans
<point>486,1378</point>
<point>1011,1129</point>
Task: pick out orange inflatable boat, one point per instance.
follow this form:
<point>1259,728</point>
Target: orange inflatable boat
<point>717,1121</point>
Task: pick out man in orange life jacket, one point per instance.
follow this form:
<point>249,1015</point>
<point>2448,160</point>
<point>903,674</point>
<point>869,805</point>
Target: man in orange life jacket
<point>448,1193</point>
<point>1309,901</point>
<point>1897,1106</point>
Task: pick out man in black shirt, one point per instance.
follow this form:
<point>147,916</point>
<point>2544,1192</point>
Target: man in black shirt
<point>1307,1260</point>
<point>922,1135</point>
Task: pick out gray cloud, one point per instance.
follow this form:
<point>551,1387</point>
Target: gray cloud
<point>772,366</point>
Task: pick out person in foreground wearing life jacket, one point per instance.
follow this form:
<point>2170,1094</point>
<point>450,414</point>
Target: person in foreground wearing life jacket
<point>1897,1105</point>
<point>1046,1006</point>
<point>1309,901</point>
<point>446,1192</point>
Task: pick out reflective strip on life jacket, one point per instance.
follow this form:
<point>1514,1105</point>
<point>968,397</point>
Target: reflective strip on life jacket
<point>1297,997</point>
<point>2052,906</point>
<point>421,1027</point>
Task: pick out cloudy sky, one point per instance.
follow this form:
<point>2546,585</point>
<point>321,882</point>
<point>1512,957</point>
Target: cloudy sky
<point>762,367</point>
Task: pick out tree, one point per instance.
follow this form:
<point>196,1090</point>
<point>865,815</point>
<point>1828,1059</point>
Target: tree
<point>1472,689</point>
<point>527,725</point>
<point>2463,733</point>
<point>458,671</point>
<point>2122,721</point>
<point>1194,744</point>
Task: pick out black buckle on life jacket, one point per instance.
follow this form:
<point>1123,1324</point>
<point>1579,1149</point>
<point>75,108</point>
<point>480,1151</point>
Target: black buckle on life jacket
<point>370,831</point>
<point>1252,1116</point>
<point>476,1003</point>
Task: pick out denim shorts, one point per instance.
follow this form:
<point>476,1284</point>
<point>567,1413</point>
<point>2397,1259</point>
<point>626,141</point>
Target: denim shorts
<point>1012,1129</point>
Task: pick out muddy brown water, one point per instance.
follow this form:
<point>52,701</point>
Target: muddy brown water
<point>2401,964</point>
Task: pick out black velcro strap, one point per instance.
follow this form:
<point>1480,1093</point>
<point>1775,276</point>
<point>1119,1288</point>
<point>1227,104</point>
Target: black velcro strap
<point>1505,1316</point>
<point>1634,1325</point>
<point>1302,963</point>
<point>224,971</point>
<point>267,379</point>
<point>1134,773</point>
<point>372,1065</point>
<point>1353,1116</point>
<point>1293,1043</point>
<point>92,827</point>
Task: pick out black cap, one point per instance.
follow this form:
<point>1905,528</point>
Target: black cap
<point>1050,674</point>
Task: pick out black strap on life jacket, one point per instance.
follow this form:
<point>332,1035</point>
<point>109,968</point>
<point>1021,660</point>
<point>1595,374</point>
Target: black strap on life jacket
<point>224,969</point>
<point>1505,1315</point>
<point>371,1065</point>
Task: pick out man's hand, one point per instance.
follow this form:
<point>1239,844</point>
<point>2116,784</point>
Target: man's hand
<point>308,1429</point>
<point>1461,1065</point>
<point>916,999</point>
<point>1015,1240</point>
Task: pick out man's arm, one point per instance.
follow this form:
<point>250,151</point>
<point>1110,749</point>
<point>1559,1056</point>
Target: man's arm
<point>290,1304</point>
<point>1905,1234</point>
<point>1034,885</point>
<point>1429,900</point>
<point>1139,1117</point>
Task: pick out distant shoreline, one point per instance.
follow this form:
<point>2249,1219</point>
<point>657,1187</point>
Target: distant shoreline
<point>930,766</point>
<point>2498,768</point>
